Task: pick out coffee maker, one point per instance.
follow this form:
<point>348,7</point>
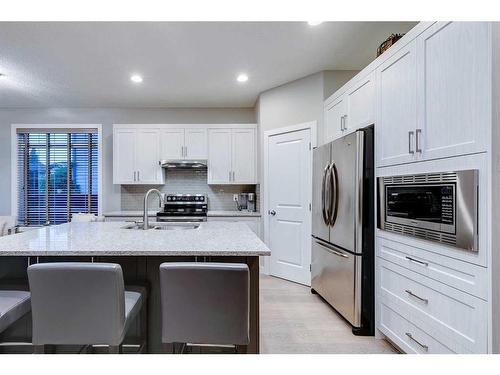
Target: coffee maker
<point>246,202</point>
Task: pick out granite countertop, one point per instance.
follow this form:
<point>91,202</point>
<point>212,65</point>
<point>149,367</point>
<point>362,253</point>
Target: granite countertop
<point>210,214</point>
<point>110,238</point>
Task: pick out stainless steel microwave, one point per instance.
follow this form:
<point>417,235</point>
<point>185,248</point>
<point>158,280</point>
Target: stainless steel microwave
<point>440,207</point>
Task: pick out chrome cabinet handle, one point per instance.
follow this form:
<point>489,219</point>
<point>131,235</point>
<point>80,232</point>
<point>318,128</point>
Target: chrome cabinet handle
<point>272,212</point>
<point>234,179</point>
<point>424,300</point>
<point>410,336</point>
<point>417,261</point>
<point>135,176</point>
<point>345,122</point>
<point>334,205</point>
<point>185,151</point>
<point>342,123</point>
<point>410,136</point>
<point>330,250</point>
<point>418,135</point>
<point>138,178</point>
<point>229,175</point>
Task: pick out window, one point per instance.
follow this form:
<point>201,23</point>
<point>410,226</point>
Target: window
<point>57,174</point>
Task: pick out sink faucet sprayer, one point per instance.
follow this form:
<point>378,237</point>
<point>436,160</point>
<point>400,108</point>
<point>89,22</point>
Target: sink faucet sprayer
<point>145,219</point>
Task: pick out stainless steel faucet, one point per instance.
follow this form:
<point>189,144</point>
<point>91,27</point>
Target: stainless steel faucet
<point>145,220</point>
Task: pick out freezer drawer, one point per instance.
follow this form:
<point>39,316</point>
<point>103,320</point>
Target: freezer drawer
<point>336,276</point>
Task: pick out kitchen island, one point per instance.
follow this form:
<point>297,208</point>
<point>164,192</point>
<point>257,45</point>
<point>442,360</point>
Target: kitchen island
<point>139,252</point>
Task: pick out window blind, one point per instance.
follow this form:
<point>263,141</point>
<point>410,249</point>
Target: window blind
<point>57,174</point>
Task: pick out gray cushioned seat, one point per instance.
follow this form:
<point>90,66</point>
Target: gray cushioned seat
<point>205,303</point>
<point>14,304</point>
<point>81,303</point>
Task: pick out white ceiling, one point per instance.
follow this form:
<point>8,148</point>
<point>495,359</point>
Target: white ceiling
<point>184,64</point>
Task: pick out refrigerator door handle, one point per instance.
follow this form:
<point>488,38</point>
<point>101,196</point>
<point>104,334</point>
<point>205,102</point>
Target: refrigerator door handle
<point>334,195</point>
<point>331,250</point>
<point>323,195</point>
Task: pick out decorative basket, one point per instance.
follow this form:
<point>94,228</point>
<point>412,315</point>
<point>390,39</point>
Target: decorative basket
<point>388,42</point>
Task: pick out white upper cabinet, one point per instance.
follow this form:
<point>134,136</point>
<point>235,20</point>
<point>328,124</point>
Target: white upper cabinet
<point>232,156</point>
<point>360,103</point>
<point>219,156</point>
<point>231,152</point>
<point>353,109</point>
<point>454,87</point>
<point>136,153</point>
<point>243,156</point>
<point>147,156</point>
<point>183,143</point>
<point>195,143</point>
<point>397,113</point>
<point>172,143</point>
<point>335,114</point>
<point>124,171</point>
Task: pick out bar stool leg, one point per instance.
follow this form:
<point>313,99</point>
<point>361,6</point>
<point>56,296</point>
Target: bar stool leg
<point>38,349</point>
<point>115,349</point>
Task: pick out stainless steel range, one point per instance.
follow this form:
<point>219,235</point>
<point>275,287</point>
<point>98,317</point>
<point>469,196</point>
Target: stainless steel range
<point>184,208</point>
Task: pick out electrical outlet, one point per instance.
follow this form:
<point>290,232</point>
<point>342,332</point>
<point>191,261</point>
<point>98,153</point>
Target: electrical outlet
<point>235,197</point>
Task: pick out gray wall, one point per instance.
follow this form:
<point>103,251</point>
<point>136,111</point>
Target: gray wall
<point>107,117</point>
<point>335,79</point>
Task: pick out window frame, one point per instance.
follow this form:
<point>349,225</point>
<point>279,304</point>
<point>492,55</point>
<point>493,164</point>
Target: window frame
<point>14,166</point>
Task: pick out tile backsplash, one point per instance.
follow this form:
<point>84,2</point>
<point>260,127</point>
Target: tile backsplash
<point>188,181</point>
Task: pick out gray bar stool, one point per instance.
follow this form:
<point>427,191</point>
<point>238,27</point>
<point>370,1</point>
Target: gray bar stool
<point>81,304</point>
<point>205,303</point>
<point>14,304</point>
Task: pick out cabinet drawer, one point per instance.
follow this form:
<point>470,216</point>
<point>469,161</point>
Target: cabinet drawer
<point>457,274</point>
<point>407,336</point>
<point>456,319</point>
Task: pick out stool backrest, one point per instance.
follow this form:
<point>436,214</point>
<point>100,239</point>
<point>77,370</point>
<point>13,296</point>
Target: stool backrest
<point>205,303</point>
<point>77,303</point>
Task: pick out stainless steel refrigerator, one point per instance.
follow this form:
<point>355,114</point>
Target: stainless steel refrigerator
<point>343,227</point>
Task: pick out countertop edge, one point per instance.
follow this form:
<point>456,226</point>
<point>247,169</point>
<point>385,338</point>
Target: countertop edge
<point>246,253</point>
<point>215,213</point>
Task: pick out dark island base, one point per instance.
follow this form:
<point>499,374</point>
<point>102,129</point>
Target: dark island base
<point>137,270</point>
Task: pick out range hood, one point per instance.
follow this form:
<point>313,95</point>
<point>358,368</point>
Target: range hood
<point>183,164</point>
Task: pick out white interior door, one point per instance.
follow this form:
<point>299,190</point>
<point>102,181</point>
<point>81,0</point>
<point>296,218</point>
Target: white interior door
<point>289,196</point>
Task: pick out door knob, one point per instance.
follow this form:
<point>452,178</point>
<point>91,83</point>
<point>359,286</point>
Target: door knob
<point>272,212</point>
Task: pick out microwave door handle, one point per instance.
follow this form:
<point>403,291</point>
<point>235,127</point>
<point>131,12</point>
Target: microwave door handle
<point>334,183</point>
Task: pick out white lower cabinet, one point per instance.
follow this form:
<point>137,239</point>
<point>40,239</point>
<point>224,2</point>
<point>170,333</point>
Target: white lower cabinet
<point>428,303</point>
<point>252,222</point>
<point>408,337</point>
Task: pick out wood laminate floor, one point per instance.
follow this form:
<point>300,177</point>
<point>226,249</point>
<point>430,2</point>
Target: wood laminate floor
<point>295,321</point>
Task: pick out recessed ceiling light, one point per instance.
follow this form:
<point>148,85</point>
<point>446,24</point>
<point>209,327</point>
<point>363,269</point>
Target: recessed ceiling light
<point>2,75</point>
<point>314,23</point>
<point>242,77</point>
<point>136,78</point>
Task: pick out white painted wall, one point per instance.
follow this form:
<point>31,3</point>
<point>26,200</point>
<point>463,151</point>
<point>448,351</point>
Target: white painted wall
<point>107,117</point>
